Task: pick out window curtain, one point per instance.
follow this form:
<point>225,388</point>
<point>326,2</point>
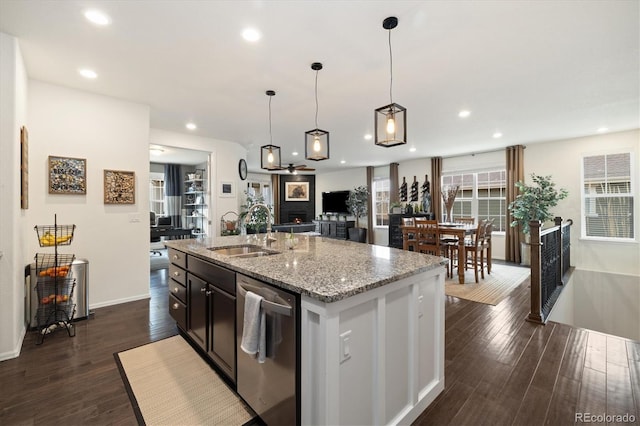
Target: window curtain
<point>436,179</point>
<point>515,173</point>
<point>394,184</point>
<point>370,230</point>
<point>275,191</point>
<point>173,194</point>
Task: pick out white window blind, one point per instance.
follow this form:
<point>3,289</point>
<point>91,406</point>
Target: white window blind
<point>608,196</point>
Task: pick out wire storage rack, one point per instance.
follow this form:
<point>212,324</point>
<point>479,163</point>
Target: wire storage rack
<point>55,283</point>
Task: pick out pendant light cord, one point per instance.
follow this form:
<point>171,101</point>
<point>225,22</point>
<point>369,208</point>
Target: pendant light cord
<point>391,68</point>
<point>270,135</point>
<point>316,99</point>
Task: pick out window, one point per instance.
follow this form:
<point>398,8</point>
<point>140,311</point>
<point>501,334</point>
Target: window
<point>607,207</point>
<point>482,195</point>
<point>381,201</point>
<point>156,193</point>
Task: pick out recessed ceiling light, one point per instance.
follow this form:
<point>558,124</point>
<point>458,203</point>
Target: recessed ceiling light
<point>603,129</point>
<point>294,153</point>
<point>251,34</point>
<point>97,17</point>
<point>497,135</point>
<point>191,126</point>
<point>464,113</point>
<point>87,73</point>
<point>412,149</point>
<point>368,137</point>
<point>342,161</point>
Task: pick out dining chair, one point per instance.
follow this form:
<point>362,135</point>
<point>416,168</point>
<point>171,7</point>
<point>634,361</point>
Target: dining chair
<point>474,251</point>
<point>428,236</point>
<point>466,220</point>
<point>409,240</point>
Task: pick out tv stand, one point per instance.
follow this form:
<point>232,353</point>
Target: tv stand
<point>295,227</point>
<point>338,229</point>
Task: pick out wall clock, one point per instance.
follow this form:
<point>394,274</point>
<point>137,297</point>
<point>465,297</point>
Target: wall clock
<point>242,169</point>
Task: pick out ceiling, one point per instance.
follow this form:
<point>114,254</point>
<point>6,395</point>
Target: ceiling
<point>533,70</point>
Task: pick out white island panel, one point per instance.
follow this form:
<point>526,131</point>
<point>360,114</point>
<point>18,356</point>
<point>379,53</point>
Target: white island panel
<point>376,357</point>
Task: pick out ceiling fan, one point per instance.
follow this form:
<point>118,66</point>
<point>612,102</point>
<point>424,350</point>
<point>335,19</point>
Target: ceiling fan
<point>293,168</point>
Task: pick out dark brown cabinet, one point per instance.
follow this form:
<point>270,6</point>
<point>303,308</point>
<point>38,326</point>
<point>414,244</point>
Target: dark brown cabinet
<point>177,287</point>
<point>211,311</point>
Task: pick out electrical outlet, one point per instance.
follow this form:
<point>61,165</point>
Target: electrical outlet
<point>345,346</point>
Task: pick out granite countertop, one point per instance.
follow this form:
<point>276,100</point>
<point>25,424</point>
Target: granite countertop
<point>322,268</point>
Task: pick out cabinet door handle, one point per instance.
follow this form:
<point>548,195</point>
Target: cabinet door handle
<point>203,289</point>
<point>208,293</point>
<point>175,289</point>
<point>176,257</point>
<point>175,306</point>
<point>176,273</point>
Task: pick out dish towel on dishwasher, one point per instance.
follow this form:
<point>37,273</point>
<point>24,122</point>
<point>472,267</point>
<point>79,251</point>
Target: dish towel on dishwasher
<point>254,327</point>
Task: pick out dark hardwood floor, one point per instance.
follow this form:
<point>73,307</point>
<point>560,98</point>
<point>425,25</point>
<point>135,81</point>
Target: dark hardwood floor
<point>74,380</point>
<point>499,369</point>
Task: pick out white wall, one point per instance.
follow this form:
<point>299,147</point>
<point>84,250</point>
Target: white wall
<point>110,134</point>
<point>604,302</point>
<point>562,160</point>
<point>223,161</point>
<point>13,115</point>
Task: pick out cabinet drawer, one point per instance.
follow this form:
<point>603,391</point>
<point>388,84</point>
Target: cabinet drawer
<point>178,274</point>
<point>213,274</point>
<point>178,290</point>
<point>177,258</point>
<point>178,312</point>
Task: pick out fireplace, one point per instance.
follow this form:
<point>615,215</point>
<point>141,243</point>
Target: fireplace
<point>296,217</point>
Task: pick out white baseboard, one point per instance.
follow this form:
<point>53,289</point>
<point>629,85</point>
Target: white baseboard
<point>119,301</point>
<point>15,353</point>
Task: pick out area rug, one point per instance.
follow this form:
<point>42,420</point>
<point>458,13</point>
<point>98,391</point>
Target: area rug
<point>170,384</point>
<point>158,261</point>
<point>492,289</point>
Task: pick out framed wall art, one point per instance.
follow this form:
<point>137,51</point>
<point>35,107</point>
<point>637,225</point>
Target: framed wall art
<point>67,175</point>
<point>119,187</point>
<point>24,168</point>
<point>296,191</point>
<point>227,189</point>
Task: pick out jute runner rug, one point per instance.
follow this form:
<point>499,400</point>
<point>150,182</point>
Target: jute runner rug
<point>493,289</point>
<point>170,384</point>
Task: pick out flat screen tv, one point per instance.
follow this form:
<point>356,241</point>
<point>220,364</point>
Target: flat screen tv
<point>335,202</point>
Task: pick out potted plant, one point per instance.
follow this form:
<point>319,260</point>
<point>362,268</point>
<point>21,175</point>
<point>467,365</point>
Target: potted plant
<point>395,207</point>
<point>258,221</point>
<point>357,203</point>
<point>534,203</point>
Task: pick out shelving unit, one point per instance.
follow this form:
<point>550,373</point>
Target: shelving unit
<point>55,283</point>
<point>195,203</point>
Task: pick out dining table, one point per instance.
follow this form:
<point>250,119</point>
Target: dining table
<point>458,231</point>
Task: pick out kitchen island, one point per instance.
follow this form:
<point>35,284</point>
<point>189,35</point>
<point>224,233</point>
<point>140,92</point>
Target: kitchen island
<point>370,323</point>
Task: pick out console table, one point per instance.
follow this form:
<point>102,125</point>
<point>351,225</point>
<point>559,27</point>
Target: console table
<point>338,229</point>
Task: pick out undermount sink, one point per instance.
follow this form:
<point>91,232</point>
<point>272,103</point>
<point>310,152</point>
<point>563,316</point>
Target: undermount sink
<point>246,250</point>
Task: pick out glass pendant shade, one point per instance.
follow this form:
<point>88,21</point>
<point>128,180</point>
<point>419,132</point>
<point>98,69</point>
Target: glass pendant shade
<point>391,125</point>
<point>316,145</point>
<point>270,157</point>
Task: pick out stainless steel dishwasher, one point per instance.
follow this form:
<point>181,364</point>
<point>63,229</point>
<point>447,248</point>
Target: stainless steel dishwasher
<point>270,388</point>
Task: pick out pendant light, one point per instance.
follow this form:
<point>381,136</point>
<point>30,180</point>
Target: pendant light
<point>391,120</point>
<point>316,141</point>
<point>270,154</point>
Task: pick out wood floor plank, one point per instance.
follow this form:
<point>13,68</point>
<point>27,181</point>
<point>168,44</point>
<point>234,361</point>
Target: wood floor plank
<point>498,367</point>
